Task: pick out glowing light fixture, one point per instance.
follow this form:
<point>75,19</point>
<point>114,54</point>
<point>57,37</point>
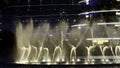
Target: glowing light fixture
<point>93,60</point>
<point>63,60</point>
<point>57,60</point>
<point>87,2</point>
<point>117,25</point>
<point>107,60</point>
<point>48,63</point>
<point>78,60</point>
<point>117,13</point>
<point>79,27</point>
<point>118,0</point>
<point>43,60</point>
<point>67,63</point>
<point>51,35</point>
<point>48,60</point>
<point>73,60</point>
<point>86,16</point>
<point>102,60</point>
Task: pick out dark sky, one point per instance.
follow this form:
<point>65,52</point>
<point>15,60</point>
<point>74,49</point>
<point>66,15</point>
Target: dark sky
<point>46,7</point>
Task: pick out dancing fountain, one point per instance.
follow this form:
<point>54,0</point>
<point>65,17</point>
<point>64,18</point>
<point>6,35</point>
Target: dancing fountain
<point>84,43</point>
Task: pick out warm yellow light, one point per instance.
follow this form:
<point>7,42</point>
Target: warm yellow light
<point>48,60</point>
<point>86,62</point>
<point>73,60</point>
<point>102,60</point>
<point>99,41</point>
<point>117,25</point>
<point>118,0</point>
<point>48,63</point>
<point>43,60</point>
<point>94,41</point>
<point>67,63</point>
<point>58,60</point>
<point>63,60</point>
<point>79,27</point>
<point>107,60</point>
<point>93,60</point>
<point>78,60</point>
<point>22,62</point>
<point>92,63</point>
